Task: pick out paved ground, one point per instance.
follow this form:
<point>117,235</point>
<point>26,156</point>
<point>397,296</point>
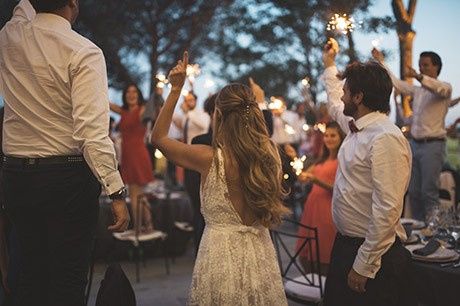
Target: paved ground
<point>155,287</point>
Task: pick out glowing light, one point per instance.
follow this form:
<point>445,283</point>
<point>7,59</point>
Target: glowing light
<point>286,176</point>
<point>305,127</point>
<point>376,42</point>
<point>209,83</point>
<point>275,103</point>
<point>298,164</point>
<point>158,154</point>
<point>320,127</point>
<point>342,23</point>
<point>404,129</point>
<point>305,82</point>
<point>162,80</point>
<point>193,70</point>
<point>289,129</point>
<point>161,77</point>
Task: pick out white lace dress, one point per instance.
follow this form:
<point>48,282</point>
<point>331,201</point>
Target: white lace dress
<point>236,264</point>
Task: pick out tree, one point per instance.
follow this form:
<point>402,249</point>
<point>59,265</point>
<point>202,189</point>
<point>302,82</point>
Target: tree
<point>406,35</point>
<point>141,37</point>
<point>279,42</point>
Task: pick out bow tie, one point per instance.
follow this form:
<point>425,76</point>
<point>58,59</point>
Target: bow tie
<point>353,127</point>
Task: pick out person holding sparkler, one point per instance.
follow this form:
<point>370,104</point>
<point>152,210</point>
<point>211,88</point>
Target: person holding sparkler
<point>430,103</point>
<point>317,210</point>
<point>369,265</point>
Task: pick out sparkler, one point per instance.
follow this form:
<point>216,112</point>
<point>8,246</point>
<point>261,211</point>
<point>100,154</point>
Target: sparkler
<point>275,103</point>
<point>305,82</point>
<point>193,70</point>
<point>162,80</point>
<point>298,164</point>
<point>289,129</point>
<point>376,42</point>
<point>209,83</point>
<point>342,23</point>
<point>321,127</point>
<point>158,154</point>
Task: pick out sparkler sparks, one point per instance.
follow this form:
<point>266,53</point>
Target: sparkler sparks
<point>298,164</point>
<point>162,80</point>
<point>193,70</point>
<point>342,23</point>
<point>275,103</point>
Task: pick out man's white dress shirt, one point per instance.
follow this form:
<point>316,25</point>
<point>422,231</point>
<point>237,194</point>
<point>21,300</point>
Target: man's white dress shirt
<point>197,122</point>
<point>55,89</point>
<point>372,176</point>
<point>430,105</point>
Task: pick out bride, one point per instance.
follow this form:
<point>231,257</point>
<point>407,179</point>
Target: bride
<point>240,194</point>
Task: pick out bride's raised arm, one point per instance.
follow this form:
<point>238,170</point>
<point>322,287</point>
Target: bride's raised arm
<point>194,157</point>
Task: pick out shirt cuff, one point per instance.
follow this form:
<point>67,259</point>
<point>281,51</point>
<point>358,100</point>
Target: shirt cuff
<point>365,269</point>
<point>112,183</point>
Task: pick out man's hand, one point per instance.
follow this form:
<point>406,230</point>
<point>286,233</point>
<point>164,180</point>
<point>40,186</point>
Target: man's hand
<point>177,75</point>
<point>330,51</point>
<point>378,55</point>
<point>257,90</point>
<point>356,281</point>
<point>120,216</point>
<point>412,73</point>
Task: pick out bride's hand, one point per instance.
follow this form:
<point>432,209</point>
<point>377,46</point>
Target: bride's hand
<point>177,75</point>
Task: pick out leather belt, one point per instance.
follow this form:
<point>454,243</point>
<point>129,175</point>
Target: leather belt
<point>428,139</point>
<point>39,162</point>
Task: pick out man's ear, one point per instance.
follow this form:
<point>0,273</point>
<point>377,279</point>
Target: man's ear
<point>73,4</point>
<point>358,98</point>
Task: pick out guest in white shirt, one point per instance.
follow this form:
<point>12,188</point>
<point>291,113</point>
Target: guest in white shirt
<point>369,265</point>
<point>195,120</point>
<point>56,147</point>
<point>430,103</point>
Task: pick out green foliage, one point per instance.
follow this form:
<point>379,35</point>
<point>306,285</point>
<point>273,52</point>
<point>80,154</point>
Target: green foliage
<point>279,42</point>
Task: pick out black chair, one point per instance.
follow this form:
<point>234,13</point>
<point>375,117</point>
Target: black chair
<point>300,286</point>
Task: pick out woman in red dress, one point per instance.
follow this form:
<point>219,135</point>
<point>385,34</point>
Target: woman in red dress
<point>136,166</point>
<point>317,211</point>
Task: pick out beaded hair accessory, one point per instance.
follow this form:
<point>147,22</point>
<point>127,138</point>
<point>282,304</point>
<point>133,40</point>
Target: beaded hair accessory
<point>246,115</point>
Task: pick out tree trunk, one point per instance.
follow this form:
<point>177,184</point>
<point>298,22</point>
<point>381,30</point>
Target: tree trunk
<point>351,52</point>
<point>406,35</point>
<point>406,41</point>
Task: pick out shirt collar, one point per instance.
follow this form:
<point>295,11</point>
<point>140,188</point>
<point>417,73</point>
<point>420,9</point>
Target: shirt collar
<point>52,21</point>
<point>367,119</point>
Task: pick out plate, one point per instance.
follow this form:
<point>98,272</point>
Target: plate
<point>416,224</point>
<point>441,255</point>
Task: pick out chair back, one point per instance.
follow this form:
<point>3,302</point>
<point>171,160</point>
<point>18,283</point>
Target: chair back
<point>300,285</point>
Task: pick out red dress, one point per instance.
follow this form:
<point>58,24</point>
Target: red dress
<point>318,212</point>
<point>136,167</point>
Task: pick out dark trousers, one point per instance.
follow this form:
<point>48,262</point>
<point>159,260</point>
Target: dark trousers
<point>391,285</point>
<point>54,210</point>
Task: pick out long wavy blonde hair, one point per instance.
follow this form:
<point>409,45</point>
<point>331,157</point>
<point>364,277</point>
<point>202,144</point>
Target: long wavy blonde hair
<point>240,131</point>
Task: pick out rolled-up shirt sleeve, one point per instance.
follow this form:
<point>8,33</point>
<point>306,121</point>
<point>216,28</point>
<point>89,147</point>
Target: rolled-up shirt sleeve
<point>91,116</point>
<point>440,88</point>
<point>334,90</point>
<point>387,200</point>
<point>400,85</point>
